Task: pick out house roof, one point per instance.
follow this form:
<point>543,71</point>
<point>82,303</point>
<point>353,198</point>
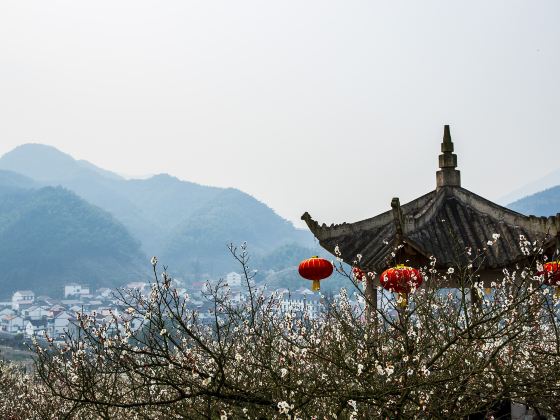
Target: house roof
<point>442,223</point>
<point>63,314</point>
<point>7,311</point>
<point>24,292</point>
<point>36,323</point>
<point>46,299</point>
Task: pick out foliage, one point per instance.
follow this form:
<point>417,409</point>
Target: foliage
<point>442,355</point>
<point>10,181</point>
<point>281,257</point>
<point>231,215</point>
<point>49,236</point>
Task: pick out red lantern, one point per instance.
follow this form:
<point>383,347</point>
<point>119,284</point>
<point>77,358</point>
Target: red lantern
<point>551,272</point>
<point>358,274</point>
<point>315,269</point>
<point>401,280</point>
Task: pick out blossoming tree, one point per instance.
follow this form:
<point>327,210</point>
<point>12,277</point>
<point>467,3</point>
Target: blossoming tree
<point>451,352</point>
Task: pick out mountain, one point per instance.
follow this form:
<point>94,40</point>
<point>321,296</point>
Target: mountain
<point>50,166</point>
<point>49,236</point>
<point>10,181</point>
<point>230,216</point>
<point>541,184</point>
<point>544,203</point>
<point>278,258</point>
<point>188,225</point>
<point>47,164</point>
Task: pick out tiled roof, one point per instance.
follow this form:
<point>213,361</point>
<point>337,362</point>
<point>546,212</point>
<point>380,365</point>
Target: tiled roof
<point>442,224</point>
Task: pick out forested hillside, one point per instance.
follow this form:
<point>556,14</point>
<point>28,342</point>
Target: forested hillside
<point>49,237</point>
<point>186,224</point>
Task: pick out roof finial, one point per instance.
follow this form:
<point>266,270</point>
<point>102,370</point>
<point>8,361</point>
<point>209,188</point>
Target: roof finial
<point>447,145</point>
<point>447,175</point>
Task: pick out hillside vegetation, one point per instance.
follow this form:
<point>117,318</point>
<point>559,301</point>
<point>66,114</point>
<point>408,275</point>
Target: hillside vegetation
<point>50,236</point>
<point>186,224</point>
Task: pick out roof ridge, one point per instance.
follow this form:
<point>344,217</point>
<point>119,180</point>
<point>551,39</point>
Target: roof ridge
<point>534,223</point>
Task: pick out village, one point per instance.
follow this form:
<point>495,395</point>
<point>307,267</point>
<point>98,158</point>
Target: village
<point>28,315</point>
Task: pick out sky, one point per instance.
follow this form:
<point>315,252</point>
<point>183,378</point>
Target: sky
<point>331,107</point>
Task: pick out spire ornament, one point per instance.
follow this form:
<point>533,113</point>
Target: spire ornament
<point>448,175</point>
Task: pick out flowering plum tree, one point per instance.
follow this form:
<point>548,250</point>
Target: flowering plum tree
<point>445,353</point>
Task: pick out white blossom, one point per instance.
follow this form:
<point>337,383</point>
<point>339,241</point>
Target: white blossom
<point>360,368</point>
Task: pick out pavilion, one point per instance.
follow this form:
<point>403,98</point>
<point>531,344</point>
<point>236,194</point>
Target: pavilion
<point>443,223</point>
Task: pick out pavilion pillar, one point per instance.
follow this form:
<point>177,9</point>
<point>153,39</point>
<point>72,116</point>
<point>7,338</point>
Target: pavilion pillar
<point>371,299</point>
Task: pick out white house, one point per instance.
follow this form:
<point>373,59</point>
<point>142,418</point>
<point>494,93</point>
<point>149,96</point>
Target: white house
<point>22,298</point>
<point>73,327</point>
<point>74,309</point>
<point>299,303</point>
<point>35,313</point>
<point>60,324</point>
<point>56,309</point>
<point>7,311</point>
<point>35,328</point>
<point>304,291</point>
<point>104,292</point>
<point>12,324</point>
<point>137,285</point>
<point>75,289</point>
<point>233,279</point>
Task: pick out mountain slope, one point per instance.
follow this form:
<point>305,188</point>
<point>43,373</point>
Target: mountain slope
<point>10,181</point>
<point>231,216</point>
<point>49,237</point>
<point>182,221</point>
<point>544,203</point>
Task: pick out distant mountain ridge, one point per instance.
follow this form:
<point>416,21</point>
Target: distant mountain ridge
<point>186,224</point>
<point>31,159</point>
<point>543,203</point>
<point>10,180</point>
<point>541,184</point>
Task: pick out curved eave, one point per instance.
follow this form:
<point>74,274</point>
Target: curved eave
<point>373,238</point>
<point>324,232</point>
<point>431,225</point>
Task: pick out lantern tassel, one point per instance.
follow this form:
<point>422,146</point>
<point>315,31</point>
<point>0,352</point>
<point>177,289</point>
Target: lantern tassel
<point>403,300</point>
<point>316,286</point>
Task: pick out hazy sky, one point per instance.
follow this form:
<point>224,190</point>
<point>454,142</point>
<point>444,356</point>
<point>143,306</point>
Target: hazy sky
<point>332,107</point>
